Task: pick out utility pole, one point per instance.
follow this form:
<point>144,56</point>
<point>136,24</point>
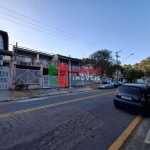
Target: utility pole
<point>117,61</point>
<point>15,52</point>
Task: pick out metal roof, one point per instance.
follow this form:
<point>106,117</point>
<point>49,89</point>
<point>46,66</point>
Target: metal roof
<point>34,51</point>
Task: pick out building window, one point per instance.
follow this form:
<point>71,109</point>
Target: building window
<point>27,59</point>
<point>45,62</point>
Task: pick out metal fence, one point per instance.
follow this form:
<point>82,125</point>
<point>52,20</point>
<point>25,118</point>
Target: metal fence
<point>49,81</point>
<point>26,76</point>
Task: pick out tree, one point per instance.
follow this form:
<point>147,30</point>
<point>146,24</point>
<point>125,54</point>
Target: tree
<point>125,66</point>
<point>112,69</point>
<point>136,65</point>
<point>133,73</point>
<point>145,66</point>
<point>102,59</point>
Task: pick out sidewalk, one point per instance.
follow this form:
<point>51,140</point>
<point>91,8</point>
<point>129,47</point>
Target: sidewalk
<point>7,95</point>
<point>140,138</point>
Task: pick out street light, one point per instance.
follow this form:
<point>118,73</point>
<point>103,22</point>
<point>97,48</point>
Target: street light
<point>124,60</point>
<point>128,57</point>
<point>117,60</point>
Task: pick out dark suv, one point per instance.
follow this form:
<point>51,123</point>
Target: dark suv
<point>117,83</point>
<point>134,97</point>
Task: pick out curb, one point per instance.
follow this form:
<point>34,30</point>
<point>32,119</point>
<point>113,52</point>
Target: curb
<point>45,95</point>
<point>123,137</point>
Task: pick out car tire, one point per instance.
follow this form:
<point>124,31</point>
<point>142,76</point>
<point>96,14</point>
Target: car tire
<point>115,105</point>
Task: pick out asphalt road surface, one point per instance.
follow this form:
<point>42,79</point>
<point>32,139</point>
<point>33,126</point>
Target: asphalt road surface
<point>78,121</point>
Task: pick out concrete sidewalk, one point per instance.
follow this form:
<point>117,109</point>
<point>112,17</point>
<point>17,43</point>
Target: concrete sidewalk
<point>140,138</point>
<point>7,95</point>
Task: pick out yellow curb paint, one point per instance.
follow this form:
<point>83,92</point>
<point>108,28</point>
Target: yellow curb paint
<point>122,138</point>
<point>50,105</point>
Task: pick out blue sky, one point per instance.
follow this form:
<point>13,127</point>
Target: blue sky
<point>84,26</point>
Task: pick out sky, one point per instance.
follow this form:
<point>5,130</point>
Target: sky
<point>79,27</point>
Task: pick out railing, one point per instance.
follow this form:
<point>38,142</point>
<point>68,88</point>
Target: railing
<point>32,60</point>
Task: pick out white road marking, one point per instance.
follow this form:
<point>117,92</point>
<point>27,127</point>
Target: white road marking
<point>147,140</point>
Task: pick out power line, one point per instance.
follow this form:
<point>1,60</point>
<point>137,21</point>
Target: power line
<point>47,25</point>
<point>42,27</point>
<point>44,31</point>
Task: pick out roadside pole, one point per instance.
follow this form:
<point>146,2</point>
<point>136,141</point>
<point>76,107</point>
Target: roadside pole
<point>117,61</point>
<point>69,74</point>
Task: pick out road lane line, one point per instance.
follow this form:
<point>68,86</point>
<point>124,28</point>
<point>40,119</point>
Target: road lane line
<point>51,105</point>
<point>123,137</point>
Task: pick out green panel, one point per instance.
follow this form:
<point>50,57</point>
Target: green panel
<point>52,73</point>
<point>52,70</point>
<point>52,79</point>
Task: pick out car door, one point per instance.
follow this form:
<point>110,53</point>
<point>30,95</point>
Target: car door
<point>109,85</point>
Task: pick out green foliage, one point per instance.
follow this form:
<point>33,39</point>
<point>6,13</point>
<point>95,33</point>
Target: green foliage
<point>133,73</point>
<point>145,65</point>
<point>102,59</point>
<point>125,66</point>
<point>112,68</point>
<point>136,66</point>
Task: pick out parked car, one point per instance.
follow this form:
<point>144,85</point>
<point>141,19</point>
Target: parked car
<point>117,83</point>
<point>147,80</point>
<point>134,97</point>
<point>106,85</point>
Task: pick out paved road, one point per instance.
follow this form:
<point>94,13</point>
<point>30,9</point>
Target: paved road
<point>79,121</point>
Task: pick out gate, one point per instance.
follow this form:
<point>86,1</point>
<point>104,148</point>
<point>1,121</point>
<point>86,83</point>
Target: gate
<point>54,81</point>
<point>49,81</point>
<point>4,78</point>
<point>26,76</point>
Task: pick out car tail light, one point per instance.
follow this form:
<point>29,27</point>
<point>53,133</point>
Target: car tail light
<point>143,99</point>
<point>116,93</point>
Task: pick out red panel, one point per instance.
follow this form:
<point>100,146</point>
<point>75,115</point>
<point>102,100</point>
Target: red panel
<point>93,70</point>
<point>62,81</point>
<point>87,70</point>
<point>75,70</point>
<point>62,67</point>
<point>99,71</point>
<point>81,70</point>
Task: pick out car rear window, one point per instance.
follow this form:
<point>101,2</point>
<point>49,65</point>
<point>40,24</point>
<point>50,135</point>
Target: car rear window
<point>104,83</point>
<point>130,90</point>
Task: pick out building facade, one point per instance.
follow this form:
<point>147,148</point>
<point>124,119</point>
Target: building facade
<point>24,68</point>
